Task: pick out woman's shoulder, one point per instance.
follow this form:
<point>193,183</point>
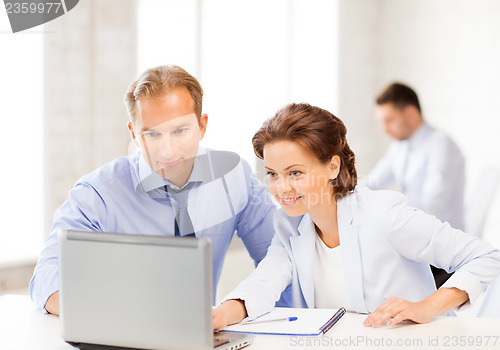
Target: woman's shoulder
<point>373,201</point>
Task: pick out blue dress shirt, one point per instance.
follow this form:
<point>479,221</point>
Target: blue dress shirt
<point>429,169</point>
<point>126,196</point>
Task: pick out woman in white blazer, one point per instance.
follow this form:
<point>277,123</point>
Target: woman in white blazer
<point>339,245</point>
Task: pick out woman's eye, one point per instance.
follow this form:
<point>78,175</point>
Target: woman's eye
<point>270,174</point>
<point>295,173</point>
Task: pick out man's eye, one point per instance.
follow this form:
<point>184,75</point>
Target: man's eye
<point>180,131</point>
<point>151,134</point>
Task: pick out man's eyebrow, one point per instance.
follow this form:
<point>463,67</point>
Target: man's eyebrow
<point>154,128</point>
<point>147,129</point>
<point>183,125</point>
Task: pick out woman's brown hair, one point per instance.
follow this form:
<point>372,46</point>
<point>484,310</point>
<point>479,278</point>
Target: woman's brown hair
<point>318,131</point>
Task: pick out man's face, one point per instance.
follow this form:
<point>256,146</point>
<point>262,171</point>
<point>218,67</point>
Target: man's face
<point>395,121</point>
<point>167,132</point>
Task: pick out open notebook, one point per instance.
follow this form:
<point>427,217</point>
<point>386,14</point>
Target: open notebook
<point>310,322</point>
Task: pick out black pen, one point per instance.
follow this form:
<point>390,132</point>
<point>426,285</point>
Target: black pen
<point>331,322</point>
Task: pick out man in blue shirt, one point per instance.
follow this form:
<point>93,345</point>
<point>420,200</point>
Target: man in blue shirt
<point>170,187</point>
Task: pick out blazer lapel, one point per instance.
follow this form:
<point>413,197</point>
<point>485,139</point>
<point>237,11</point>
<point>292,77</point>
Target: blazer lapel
<point>303,250</point>
<point>350,250</point>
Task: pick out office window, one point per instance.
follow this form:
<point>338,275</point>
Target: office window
<point>250,57</point>
<point>21,93</point>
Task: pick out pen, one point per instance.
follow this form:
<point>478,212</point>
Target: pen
<point>289,319</point>
<point>335,318</point>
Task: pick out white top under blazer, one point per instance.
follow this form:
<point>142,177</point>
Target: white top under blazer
<point>386,249</point>
<point>330,286</point>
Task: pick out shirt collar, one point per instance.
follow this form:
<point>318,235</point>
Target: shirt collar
<point>419,134</point>
<point>150,181</point>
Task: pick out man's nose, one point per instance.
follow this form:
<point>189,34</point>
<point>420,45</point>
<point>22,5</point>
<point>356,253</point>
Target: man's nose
<point>168,148</point>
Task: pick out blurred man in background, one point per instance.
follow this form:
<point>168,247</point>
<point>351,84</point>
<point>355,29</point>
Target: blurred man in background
<point>423,163</point>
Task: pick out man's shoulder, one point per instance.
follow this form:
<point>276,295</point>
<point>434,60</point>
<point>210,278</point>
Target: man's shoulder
<point>223,162</point>
<point>438,135</point>
<point>118,170</point>
<point>443,143</point>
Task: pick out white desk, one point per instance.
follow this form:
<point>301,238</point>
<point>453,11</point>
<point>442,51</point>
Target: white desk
<point>24,327</point>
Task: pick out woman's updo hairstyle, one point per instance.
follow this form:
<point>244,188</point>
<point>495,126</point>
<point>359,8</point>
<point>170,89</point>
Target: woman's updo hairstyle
<point>317,130</point>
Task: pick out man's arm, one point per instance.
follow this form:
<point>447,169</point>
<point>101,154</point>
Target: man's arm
<point>381,177</point>
<point>444,183</point>
<point>84,210</point>
<point>52,304</point>
<point>255,223</point>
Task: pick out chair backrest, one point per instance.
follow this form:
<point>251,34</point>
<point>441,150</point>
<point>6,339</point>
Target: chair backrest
<point>477,207</point>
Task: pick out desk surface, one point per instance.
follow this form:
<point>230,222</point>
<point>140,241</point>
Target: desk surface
<point>24,327</point>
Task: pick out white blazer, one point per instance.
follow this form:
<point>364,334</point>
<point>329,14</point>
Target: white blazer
<point>490,306</point>
<point>386,248</point>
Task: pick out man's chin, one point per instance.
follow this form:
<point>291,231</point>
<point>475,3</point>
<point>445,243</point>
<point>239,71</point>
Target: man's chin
<point>176,176</point>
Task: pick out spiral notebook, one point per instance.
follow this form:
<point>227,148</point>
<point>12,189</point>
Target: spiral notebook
<point>309,322</point>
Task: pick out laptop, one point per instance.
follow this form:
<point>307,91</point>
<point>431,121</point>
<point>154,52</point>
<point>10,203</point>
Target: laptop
<point>138,292</point>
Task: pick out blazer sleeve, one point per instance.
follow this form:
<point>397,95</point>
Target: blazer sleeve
<point>422,237</point>
<point>263,288</point>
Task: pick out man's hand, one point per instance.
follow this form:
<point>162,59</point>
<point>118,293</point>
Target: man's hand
<point>52,304</point>
<point>229,312</point>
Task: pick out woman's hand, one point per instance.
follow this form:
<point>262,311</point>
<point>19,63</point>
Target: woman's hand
<point>396,310</point>
<point>229,312</point>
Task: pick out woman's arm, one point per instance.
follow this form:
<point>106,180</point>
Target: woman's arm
<point>396,310</point>
<point>228,313</point>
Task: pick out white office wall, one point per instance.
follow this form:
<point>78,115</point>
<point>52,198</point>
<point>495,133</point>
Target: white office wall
<point>22,174</point>
<point>167,33</point>
<point>358,76</point>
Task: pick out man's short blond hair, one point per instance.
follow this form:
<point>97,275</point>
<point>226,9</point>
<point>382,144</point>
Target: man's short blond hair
<point>160,81</point>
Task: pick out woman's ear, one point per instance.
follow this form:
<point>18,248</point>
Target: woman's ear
<point>335,162</point>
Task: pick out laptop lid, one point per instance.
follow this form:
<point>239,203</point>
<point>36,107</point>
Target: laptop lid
<point>135,291</point>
